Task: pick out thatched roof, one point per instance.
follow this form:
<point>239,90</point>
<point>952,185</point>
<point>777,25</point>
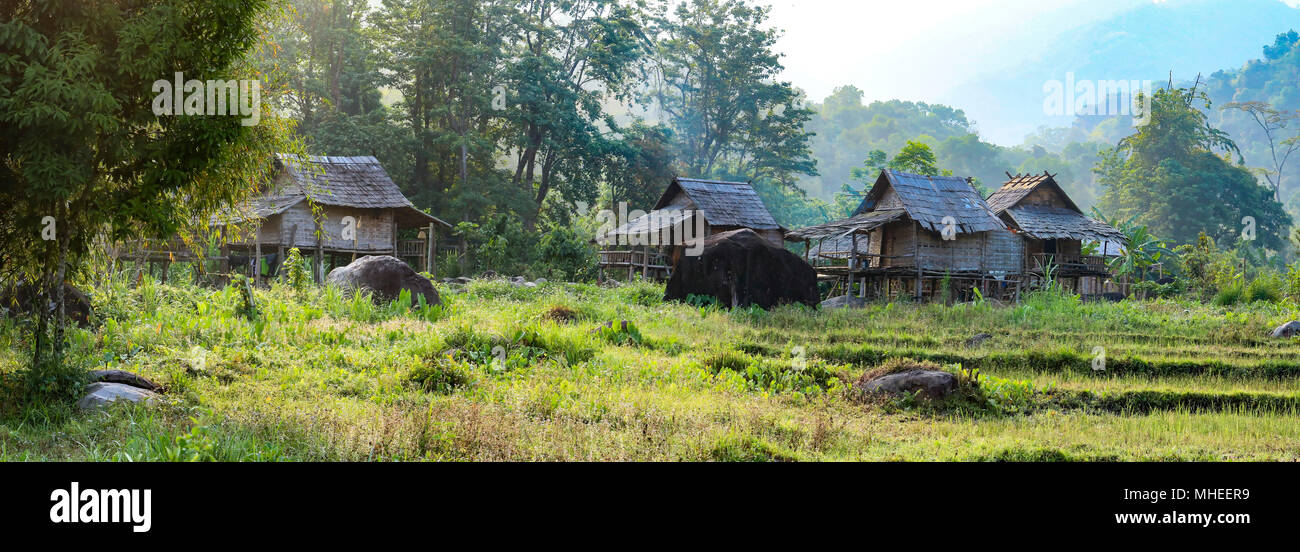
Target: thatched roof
<point>722,203</point>
<point>928,199</point>
<point>1020,185</point>
<point>841,229</point>
<point>1059,223</point>
<point>358,182</point>
<point>1048,222</point>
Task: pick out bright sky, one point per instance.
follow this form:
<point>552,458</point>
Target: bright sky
<point>915,49</point>
<point>921,50</point>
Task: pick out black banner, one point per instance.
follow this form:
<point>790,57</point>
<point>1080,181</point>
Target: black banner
<point>321,502</point>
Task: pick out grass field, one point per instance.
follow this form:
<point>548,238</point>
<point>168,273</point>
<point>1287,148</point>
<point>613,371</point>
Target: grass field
<point>507,373</point>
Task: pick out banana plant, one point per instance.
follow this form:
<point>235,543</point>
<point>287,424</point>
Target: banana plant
<point>1141,251</point>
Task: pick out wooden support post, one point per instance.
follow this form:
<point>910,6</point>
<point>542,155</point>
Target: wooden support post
<point>319,273</point>
<point>432,239</point>
<point>916,256</point>
<point>645,261</point>
<point>257,258</point>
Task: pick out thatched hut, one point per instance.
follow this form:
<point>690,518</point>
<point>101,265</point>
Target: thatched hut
<point>361,213</point>
<point>689,209</point>
<point>911,233</point>
<point>1055,230</point>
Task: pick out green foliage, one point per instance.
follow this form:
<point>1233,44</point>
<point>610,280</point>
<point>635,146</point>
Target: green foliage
<point>917,158</point>
<point>1168,177</point>
<point>621,333</point>
<point>79,141</point>
<point>443,375</point>
<point>1142,251</point>
<point>296,271</point>
<point>735,448</point>
<point>774,375</point>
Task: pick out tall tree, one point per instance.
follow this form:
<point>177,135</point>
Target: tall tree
<point>717,85</point>
<point>82,153</point>
<point>1169,177</point>
<point>567,56</point>
<point>445,57</point>
<point>1281,138</point>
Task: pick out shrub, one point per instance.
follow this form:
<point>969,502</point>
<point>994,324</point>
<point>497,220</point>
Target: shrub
<point>1230,294</point>
<point>1264,288</point>
<point>442,375</point>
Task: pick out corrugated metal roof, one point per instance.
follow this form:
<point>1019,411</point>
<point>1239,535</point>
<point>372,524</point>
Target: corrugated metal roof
<point>723,203</point>
<point>929,199</point>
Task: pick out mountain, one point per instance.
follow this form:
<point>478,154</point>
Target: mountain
<point>1145,42</point>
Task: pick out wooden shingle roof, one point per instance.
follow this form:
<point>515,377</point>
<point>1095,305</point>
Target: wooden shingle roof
<point>358,182</point>
<point>929,199</point>
<point>835,230</point>
<point>722,203</point>
<point>1047,222</point>
<point>1020,185</point>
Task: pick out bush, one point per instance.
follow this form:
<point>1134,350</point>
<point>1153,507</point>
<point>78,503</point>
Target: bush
<point>1264,288</point>
<point>1230,294</point>
<point>442,375</point>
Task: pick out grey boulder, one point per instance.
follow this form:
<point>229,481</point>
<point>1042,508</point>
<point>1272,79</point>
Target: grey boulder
<point>384,276</point>
<point>101,394</point>
<point>125,378</point>
<point>932,384</point>
<point>844,302</point>
<point>1289,329</point>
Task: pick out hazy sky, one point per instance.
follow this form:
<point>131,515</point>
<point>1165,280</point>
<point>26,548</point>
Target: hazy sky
<point>916,49</point>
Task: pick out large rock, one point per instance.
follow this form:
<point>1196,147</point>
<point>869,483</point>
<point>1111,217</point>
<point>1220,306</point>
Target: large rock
<point>385,276</point>
<point>101,394</point>
<point>1289,329</point>
<point>24,297</point>
<point>844,302</point>
<point>125,378</point>
<point>740,268</point>
<point>932,384</point>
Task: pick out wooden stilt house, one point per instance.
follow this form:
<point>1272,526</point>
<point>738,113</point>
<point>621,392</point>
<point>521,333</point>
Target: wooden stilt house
<point>333,209</point>
<point>912,233</point>
<point>650,243</point>
<point>1054,231</point>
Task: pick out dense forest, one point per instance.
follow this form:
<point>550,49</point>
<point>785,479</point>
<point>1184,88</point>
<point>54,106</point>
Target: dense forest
<point>518,119</point>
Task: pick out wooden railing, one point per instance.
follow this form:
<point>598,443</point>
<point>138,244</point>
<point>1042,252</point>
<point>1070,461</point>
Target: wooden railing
<point>1062,261</point>
<point>412,248</point>
<point>650,264</point>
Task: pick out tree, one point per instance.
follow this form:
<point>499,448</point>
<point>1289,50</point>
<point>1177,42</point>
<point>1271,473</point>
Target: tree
<point>445,57</point>
<point>1281,140</point>
<point>83,155</point>
<point>716,84</point>
<point>566,58</point>
<point>917,158</point>
<point>327,62</point>
<point>1166,176</point>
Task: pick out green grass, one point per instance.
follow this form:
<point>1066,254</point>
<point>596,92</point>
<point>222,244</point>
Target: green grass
<point>506,373</point>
